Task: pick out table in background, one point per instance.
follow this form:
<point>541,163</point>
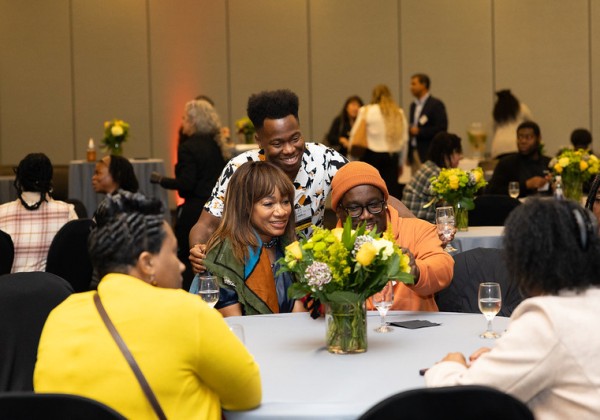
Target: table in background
<point>80,182</point>
<point>301,380</point>
<point>479,237</point>
<point>7,189</point>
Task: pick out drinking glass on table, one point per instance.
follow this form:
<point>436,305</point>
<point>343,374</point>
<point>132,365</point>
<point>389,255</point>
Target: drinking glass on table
<point>383,302</point>
<point>490,302</point>
<point>513,189</point>
<point>208,289</point>
<point>444,220</point>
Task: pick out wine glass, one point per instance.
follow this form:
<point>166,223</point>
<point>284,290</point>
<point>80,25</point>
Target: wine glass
<point>490,301</point>
<point>383,302</point>
<point>444,220</point>
<point>208,290</point>
<point>513,189</point>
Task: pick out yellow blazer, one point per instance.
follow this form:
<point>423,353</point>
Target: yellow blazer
<point>192,361</point>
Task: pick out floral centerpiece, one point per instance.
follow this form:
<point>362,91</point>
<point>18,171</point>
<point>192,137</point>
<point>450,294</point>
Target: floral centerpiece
<point>457,188</point>
<point>115,133</point>
<point>342,268</point>
<point>245,129</point>
<point>575,167</point>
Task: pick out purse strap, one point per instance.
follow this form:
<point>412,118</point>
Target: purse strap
<point>129,357</point>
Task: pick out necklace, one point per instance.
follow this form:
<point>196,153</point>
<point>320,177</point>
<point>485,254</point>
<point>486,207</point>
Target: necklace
<point>271,243</point>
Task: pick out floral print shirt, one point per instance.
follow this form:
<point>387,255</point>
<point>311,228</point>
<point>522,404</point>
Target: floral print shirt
<point>312,183</point>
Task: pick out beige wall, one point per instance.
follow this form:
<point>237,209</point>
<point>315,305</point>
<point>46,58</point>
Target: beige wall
<point>68,65</point>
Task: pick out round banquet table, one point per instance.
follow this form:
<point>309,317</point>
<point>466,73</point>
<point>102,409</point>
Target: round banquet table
<point>301,380</point>
<point>479,237</point>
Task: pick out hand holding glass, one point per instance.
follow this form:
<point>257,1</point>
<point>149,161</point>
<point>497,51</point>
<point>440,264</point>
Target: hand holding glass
<point>209,290</point>
<point>383,302</point>
<point>513,189</point>
<point>490,302</point>
<point>444,220</point>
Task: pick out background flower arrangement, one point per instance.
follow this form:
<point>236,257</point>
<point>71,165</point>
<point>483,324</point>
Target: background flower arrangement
<point>246,129</point>
<point>575,167</point>
<point>457,187</point>
<point>115,132</point>
<point>344,265</point>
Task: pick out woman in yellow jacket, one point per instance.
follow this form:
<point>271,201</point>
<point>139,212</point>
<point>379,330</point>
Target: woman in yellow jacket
<point>193,363</point>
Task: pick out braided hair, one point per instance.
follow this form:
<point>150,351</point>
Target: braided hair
<point>127,224</point>
<point>34,174</point>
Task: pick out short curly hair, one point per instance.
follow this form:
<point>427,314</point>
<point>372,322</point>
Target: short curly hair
<point>552,246</point>
<point>274,104</point>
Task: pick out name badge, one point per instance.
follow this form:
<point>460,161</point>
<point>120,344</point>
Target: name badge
<point>303,214</point>
<point>423,120</point>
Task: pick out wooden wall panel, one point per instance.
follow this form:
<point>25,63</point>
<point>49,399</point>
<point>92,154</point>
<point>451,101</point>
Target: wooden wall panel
<point>451,42</point>
<point>354,46</point>
<point>542,55</point>
<point>268,45</point>
<point>36,112</point>
<point>111,71</point>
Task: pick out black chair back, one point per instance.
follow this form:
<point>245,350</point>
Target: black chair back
<point>492,210</point>
<point>457,402</point>
<point>26,299</point>
<point>7,252</point>
<point>27,405</point>
<point>472,267</point>
<point>68,254</point>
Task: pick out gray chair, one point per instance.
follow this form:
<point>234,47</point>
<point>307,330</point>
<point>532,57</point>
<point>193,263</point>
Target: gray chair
<point>27,405</point>
<point>7,252</point>
<point>472,267</point>
<point>456,402</point>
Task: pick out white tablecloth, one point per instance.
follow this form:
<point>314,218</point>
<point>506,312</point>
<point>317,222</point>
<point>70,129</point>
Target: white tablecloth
<point>80,183</point>
<point>7,189</point>
<point>479,237</point>
<point>301,380</point>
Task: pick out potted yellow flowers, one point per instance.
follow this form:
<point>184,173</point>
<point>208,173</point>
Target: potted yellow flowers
<point>575,167</point>
<point>342,268</point>
<point>115,132</point>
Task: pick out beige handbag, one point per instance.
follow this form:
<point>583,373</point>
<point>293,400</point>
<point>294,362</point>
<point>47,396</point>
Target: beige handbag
<point>358,144</point>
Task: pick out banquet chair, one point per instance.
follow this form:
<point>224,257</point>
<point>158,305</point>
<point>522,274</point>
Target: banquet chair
<point>68,254</point>
<point>471,402</point>
<point>491,210</point>
<point>28,405</point>
<point>26,299</point>
<point>472,267</point>
<point>7,252</point>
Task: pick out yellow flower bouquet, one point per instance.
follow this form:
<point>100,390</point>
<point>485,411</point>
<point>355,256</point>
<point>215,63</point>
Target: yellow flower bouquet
<point>342,268</point>
<point>575,167</point>
<point>457,187</point>
<point>115,132</point>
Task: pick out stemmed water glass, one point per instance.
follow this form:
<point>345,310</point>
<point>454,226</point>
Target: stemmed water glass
<point>444,220</point>
<point>383,302</point>
<point>490,302</point>
<point>513,189</point>
<point>208,290</point>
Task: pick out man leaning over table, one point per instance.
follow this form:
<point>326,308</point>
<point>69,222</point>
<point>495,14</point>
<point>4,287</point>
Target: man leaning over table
<point>310,166</point>
<point>358,191</point>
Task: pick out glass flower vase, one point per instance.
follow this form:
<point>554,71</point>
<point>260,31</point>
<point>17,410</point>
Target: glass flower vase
<point>346,325</point>
<point>572,186</point>
<point>461,217</point>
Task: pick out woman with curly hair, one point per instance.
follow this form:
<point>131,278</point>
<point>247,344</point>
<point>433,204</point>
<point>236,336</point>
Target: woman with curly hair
<point>387,134</point>
<point>508,114</point>
<point>548,356</point>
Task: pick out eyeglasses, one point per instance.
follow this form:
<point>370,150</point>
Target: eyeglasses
<point>373,208</point>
